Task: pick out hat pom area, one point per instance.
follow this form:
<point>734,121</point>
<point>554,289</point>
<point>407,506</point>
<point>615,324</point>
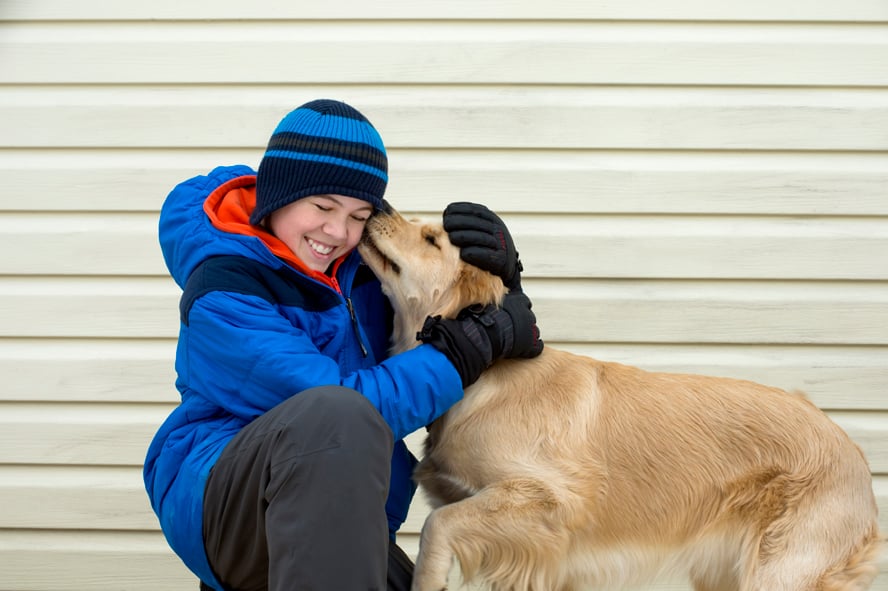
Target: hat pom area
<point>324,147</point>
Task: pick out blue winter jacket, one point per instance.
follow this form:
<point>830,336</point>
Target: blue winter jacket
<point>254,331</point>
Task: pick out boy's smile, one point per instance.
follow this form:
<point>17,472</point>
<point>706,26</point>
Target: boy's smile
<point>320,228</point>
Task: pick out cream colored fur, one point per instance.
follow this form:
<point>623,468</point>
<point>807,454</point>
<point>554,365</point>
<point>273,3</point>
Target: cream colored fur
<point>564,473</point>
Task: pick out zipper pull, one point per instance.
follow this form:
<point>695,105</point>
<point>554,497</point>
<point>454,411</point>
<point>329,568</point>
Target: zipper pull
<point>354,318</point>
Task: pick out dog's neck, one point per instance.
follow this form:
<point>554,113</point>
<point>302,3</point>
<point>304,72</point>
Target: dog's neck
<point>474,287</point>
<point>407,324</point>
<point>411,313</point>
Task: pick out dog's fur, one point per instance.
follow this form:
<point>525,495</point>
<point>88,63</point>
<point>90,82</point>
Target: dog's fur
<point>563,473</point>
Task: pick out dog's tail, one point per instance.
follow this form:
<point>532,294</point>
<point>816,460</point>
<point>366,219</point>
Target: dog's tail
<point>859,570</point>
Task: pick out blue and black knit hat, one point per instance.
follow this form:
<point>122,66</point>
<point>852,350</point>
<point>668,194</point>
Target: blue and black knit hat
<point>324,147</point>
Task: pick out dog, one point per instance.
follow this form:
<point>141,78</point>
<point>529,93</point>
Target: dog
<point>563,472</point>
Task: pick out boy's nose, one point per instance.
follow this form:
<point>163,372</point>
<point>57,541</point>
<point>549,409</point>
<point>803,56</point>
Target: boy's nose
<point>336,228</point>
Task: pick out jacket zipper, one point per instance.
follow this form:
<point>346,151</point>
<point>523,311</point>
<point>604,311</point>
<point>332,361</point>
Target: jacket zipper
<point>351,312</point>
<point>354,319</point>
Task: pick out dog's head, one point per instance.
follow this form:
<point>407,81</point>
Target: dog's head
<point>421,272</point>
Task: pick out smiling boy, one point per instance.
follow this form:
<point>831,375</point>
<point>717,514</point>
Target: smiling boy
<point>284,465</point>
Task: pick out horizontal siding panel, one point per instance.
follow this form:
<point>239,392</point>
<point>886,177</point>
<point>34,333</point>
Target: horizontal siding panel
<point>65,497</point>
<point>576,311</point>
<point>643,182</point>
<point>75,370</point>
<point>459,117</point>
<point>497,52</point>
<point>700,247</point>
<point>703,312</point>
<point>90,561</point>
<point>114,370</point>
<point>116,244</point>
<point>122,244</point>
<point>751,10</point>
<point>87,434</point>
<point>125,308</point>
<point>831,183</point>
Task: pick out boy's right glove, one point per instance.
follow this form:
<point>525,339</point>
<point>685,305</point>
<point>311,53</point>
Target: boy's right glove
<point>479,336</point>
<point>484,241</point>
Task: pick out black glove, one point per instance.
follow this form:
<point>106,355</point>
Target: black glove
<point>481,335</point>
<point>483,241</point>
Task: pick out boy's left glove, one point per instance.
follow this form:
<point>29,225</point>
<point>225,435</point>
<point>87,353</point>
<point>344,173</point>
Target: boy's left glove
<point>484,241</point>
<point>476,338</point>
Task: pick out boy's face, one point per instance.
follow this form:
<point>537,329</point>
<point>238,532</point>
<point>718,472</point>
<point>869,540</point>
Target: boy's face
<point>320,228</point>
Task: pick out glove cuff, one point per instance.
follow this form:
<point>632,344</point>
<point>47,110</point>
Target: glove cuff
<point>462,341</point>
<point>496,323</point>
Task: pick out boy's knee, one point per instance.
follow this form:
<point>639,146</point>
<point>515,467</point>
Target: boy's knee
<point>344,405</point>
<point>347,416</point>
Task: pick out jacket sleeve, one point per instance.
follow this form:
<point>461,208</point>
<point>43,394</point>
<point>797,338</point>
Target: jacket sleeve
<point>244,356</point>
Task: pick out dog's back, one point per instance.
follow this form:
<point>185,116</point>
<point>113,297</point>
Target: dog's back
<point>573,471</point>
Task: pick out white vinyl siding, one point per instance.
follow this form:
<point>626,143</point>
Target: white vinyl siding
<point>694,186</point>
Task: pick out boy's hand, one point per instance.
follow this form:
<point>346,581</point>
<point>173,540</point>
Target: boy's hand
<point>483,241</point>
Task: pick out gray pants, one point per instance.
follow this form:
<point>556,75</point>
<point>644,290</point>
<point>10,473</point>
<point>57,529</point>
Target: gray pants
<point>296,501</point>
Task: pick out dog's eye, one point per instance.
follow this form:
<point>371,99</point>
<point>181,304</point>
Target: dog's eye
<point>430,238</point>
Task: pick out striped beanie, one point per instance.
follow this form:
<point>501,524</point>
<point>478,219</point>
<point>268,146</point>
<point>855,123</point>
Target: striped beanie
<point>324,147</point>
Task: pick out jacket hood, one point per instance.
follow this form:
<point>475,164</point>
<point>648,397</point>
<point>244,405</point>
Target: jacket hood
<point>208,216</point>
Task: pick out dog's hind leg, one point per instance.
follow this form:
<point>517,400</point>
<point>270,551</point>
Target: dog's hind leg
<point>817,554</point>
<point>510,534</point>
<point>859,570</point>
<point>800,571</point>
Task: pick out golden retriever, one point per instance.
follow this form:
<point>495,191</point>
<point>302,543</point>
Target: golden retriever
<point>562,472</point>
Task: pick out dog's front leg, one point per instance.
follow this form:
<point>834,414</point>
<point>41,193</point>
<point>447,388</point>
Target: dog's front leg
<point>435,555</point>
<point>512,534</point>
